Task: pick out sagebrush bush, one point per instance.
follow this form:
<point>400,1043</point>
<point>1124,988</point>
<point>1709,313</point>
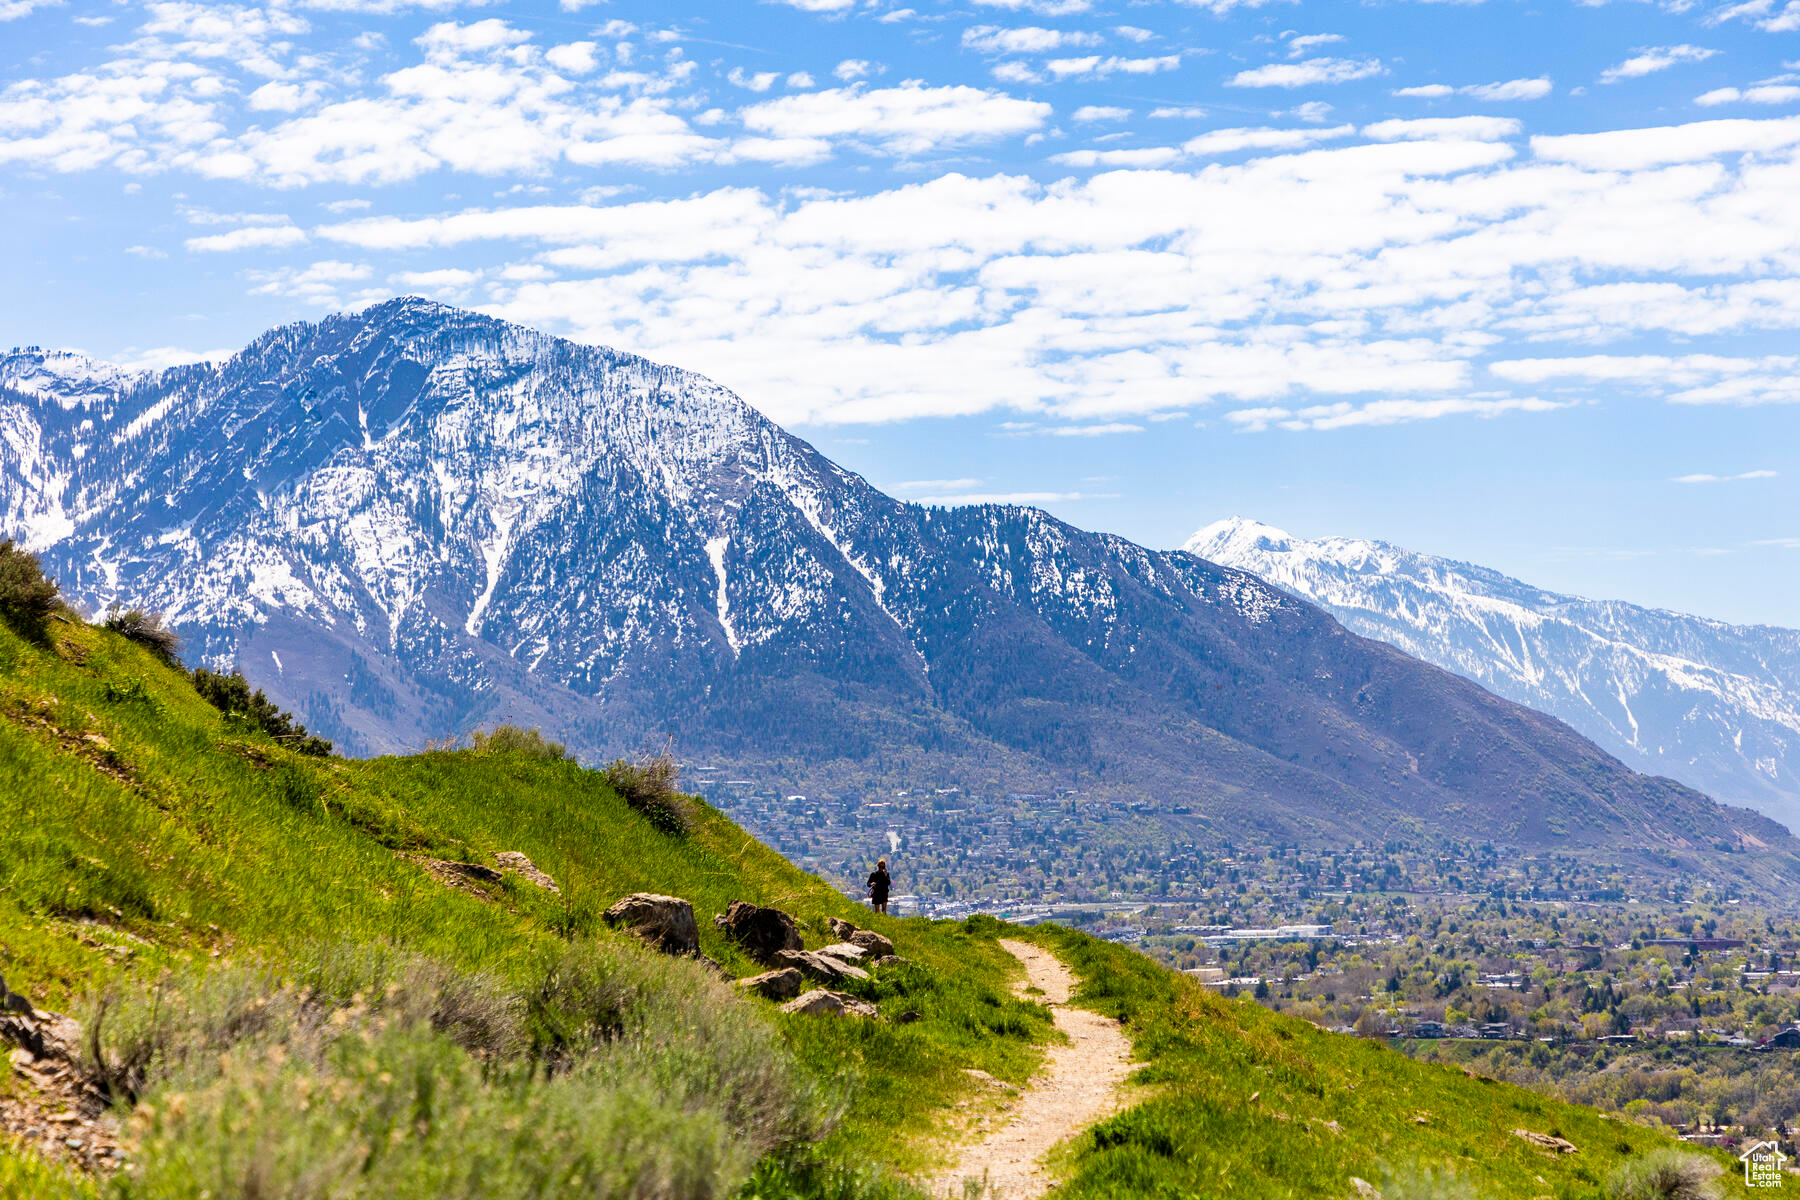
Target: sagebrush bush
<point>511,739</point>
<point>1667,1174</point>
<point>376,1072</point>
<point>648,786</point>
<point>231,695</point>
<point>146,629</point>
<point>27,596</point>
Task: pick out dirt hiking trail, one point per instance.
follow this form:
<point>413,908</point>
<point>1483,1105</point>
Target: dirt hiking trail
<point>1081,1083</point>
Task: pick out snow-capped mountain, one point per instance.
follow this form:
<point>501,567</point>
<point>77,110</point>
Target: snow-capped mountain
<point>1716,706</point>
<point>410,520</point>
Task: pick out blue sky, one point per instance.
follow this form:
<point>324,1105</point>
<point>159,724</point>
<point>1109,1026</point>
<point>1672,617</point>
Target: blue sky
<point>1517,283</point>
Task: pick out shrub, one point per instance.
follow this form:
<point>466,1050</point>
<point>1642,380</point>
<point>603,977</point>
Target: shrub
<point>648,786</point>
<point>511,739</point>
<point>373,1072</point>
<point>1667,1174</point>
<point>27,596</point>
<point>231,695</point>
<point>147,630</point>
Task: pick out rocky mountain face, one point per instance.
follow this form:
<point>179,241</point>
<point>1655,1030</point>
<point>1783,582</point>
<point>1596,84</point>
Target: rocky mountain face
<point>411,520</point>
<point>1716,706</point>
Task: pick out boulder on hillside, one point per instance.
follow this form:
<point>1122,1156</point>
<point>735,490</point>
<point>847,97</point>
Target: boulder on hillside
<point>877,945</point>
<point>822,967</point>
<point>512,860</point>
<point>841,929</point>
<point>848,952</point>
<point>822,1003</point>
<point>889,960</point>
<point>762,932</point>
<point>774,985</point>
<point>666,922</point>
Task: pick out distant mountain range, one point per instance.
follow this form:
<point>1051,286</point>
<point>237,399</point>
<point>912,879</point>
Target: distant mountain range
<point>413,519</point>
<point>1716,706</point>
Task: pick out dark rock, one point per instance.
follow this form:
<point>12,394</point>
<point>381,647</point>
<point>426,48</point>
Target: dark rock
<point>774,985</point>
<point>841,929</point>
<point>762,932</point>
<point>889,960</point>
<point>877,945</point>
<point>666,922</point>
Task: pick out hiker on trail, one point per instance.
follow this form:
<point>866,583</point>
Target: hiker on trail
<point>879,883</point>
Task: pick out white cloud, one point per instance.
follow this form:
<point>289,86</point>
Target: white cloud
<point>161,358</point>
<point>1099,112</point>
<point>831,7</point>
<point>285,97</point>
<point>1345,415</point>
<point>760,81</point>
<point>248,237</point>
<point>1511,89</point>
<point>1104,429</point>
<point>573,58</point>
<point>1635,149</point>
<point>1500,92</point>
<point>1741,475</point>
<point>907,120</point>
<point>1187,112</point>
<point>1312,71</point>
<point>1651,59</point>
<point>1763,14</point>
<point>1152,156</point>
<point>1305,42</point>
<point>1230,141</point>
<point>147,252</point>
<point>322,285</point>
<point>852,69</point>
<point>1033,498</point>
<point>12,10</point>
<point>1030,39</point>
<point>1043,8</point>
<point>1761,94</point>
<point>800,79</point>
<point>1095,66</point>
<point>1481,129</point>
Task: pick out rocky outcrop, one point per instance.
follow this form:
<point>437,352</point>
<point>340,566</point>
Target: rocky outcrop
<point>1546,1142</point>
<point>512,860</point>
<point>817,965</point>
<point>763,932</point>
<point>848,952</point>
<point>823,1003</point>
<point>877,945</point>
<point>784,984</point>
<point>665,922</point>
<point>841,929</point>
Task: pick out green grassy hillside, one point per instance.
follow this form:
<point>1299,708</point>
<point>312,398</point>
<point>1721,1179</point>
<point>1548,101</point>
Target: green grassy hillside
<point>289,1003</point>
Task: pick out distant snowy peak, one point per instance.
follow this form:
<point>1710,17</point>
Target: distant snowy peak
<point>68,378</point>
<point>1714,705</point>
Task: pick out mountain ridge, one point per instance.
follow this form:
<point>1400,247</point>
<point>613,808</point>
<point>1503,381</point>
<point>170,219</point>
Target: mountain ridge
<point>1692,697</point>
<point>409,520</point>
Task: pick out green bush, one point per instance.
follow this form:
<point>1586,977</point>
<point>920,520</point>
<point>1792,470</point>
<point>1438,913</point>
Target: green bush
<point>231,695</point>
<point>1667,1174</point>
<point>27,596</point>
<point>147,630</point>
<point>373,1072</point>
<point>648,786</point>
<point>511,739</point>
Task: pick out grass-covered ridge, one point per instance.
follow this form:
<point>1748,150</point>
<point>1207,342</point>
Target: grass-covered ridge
<point>285,990</point>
